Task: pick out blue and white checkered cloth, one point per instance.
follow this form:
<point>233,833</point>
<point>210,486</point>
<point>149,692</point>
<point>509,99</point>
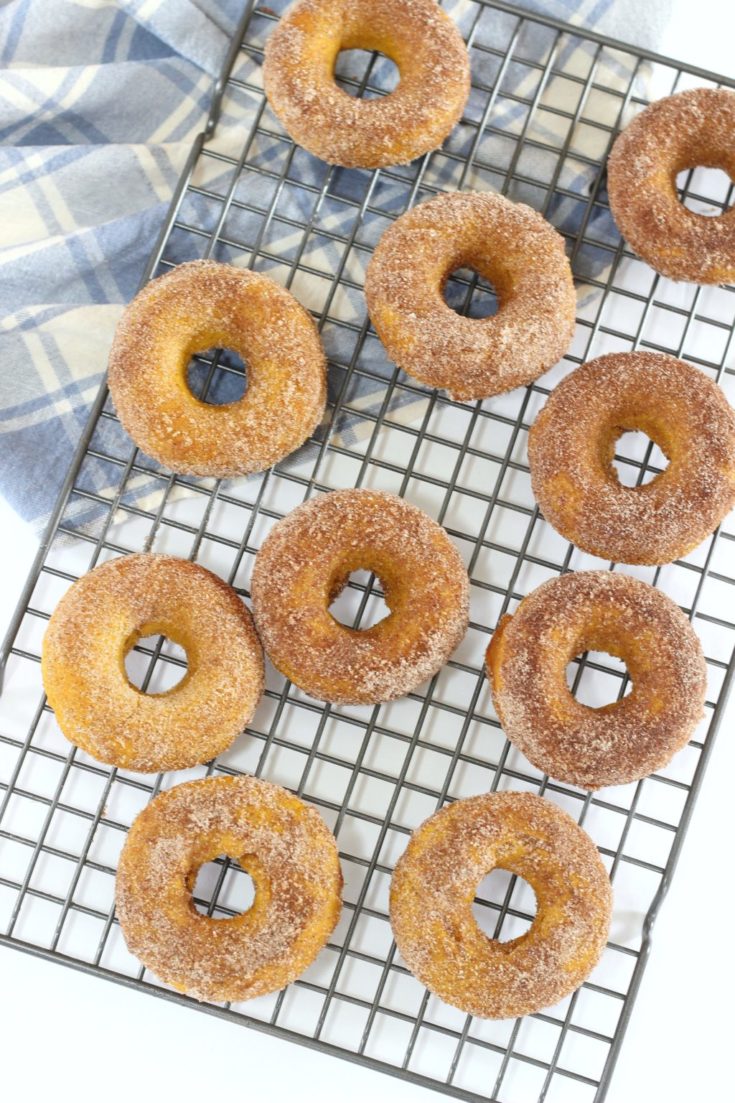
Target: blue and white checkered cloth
<point>99,104</point>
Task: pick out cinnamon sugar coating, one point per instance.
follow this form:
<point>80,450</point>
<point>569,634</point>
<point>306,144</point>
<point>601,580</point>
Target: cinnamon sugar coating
<point>597,611</point>
<point>281,842</point>
<point>571,447</point>
<point>298,75</point>
<point>683,131</point>
<point>435,882</point>
<point>102,617</point>
<point>195,307</point>
<point>306,561</point>
<point>509,244</point>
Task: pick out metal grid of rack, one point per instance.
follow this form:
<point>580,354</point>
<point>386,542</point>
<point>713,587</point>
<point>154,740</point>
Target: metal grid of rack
<point>546,103</point>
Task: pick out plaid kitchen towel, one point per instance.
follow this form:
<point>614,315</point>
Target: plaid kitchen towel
<point>99,103</point>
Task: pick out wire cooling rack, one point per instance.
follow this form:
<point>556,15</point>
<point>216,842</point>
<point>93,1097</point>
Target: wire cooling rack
<point>546,102</point>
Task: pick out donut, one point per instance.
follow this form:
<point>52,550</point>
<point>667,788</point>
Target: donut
<point>298,76</point>
<point>511,246</point>
<point>281,842</point>
<point>680,132</point>
<point>435,882</point>
<point>103,615</point>
<point>203,305</point>
<point>571,447</point>
<point>597,611</point>
<point>306,561</point>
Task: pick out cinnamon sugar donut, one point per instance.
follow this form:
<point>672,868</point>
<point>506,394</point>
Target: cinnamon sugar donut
<point>298,75</point>
<point>680,132</point>
<point>305,563</point>
<point>203,305</point>
<point>103,616</point>
<point>597,611</point>
<point>281,842</point>
<point>507,243</point>
<point>571,447</point>
<point>435,882</point>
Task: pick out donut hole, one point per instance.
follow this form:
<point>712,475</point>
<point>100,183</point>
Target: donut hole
<point>217,377</point>
<point>595,678</point>
<point>467,292</point>
<point>351,607</point>
<point>357,74</point>
<point>504,906</point>
<point>705,191</point>
<point>632,462</point>
<point>155,664</point>
<point>223,888</point>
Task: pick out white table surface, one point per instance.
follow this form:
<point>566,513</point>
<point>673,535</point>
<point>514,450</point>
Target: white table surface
<point>71,1036</point>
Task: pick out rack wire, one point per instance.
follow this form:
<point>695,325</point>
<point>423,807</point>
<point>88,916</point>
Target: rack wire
<point>546,103</point>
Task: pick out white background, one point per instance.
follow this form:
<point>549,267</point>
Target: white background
<point>73,1036</point>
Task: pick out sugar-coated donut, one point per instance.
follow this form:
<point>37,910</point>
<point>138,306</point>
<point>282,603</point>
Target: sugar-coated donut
<point>571,447</point>
<point>103,616</point>
<point>281,842</point>
<point>509,244</point>
<point>435,882</point>
<point>680,132</point>
<point>195,307</point>
<point>597,611</point>
<point>298,75</point>
<point>306,561</point>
